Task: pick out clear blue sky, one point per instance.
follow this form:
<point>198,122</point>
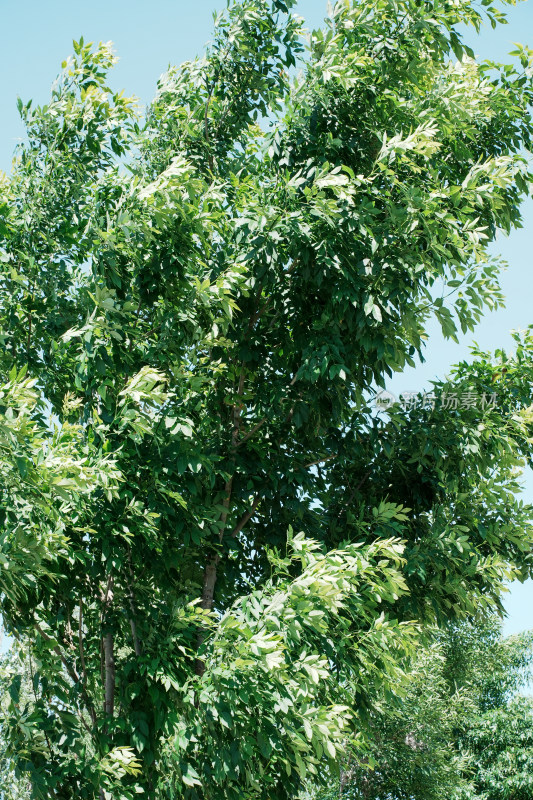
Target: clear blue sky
<point>37,36</point>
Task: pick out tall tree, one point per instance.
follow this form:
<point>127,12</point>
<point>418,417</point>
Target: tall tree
<point>206,300</point>
<point>462,731</point>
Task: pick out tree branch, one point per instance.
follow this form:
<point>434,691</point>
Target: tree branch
<point>57,650</point>
<point>320,461</point>
<point>206,124</point>
<point>210,572</point>
<point>73,675</point>
<point>247,516</point>
<point>251,432</point>
<point>109,685</point>
<point>131,598</point>
<point>80,641</point>
<point>37,700</point>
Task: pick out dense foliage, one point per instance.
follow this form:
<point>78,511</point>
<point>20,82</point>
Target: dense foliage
<point>462,731</point>
<point>216,552</point>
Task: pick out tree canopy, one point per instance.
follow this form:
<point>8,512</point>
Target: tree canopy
<point>462,730</point>
<point>217,553</point>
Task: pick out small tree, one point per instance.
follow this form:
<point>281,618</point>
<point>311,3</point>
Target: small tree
<point>227,535</point>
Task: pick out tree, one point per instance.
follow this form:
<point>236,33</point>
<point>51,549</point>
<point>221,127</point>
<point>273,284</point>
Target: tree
<point>502,743</point>
<point>461,730</point>
<point>499,737</point>
<point>10,668</point>
<point>206,301</point>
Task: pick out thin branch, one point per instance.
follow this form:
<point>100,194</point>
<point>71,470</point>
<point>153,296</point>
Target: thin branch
<point>80,641</point>
<point>206,124</point>
<point>68,639</point>
<point>136,644</point>
<point>354,491</point>
<point>255,316</point>
<point>251,432</point>
<point>137,314</point>
<point>258,314</point>
<point>237,409</point>
<point>210,571</point>
<point>102,667</point>
<point>131,598</point>
<point>82,720</point>
<point>263,421</point>
<point>36,702</point>
<point>57,650</point>
<point>320,461</point>
<point>28,342</point>
<point>363,479</point>
<point>109,683</point>
<point>247,516</point>
<point>105,597</point>
<point>71,672</point>
<point>30,319</point>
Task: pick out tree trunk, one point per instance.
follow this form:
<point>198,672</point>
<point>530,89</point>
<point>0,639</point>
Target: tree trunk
<point>108,654</point>
<point>109,661</point>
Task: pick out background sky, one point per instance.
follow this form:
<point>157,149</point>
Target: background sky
<point>149,36</point>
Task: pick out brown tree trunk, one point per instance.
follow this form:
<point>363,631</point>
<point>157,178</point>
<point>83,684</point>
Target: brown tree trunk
<point>109,687</point>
